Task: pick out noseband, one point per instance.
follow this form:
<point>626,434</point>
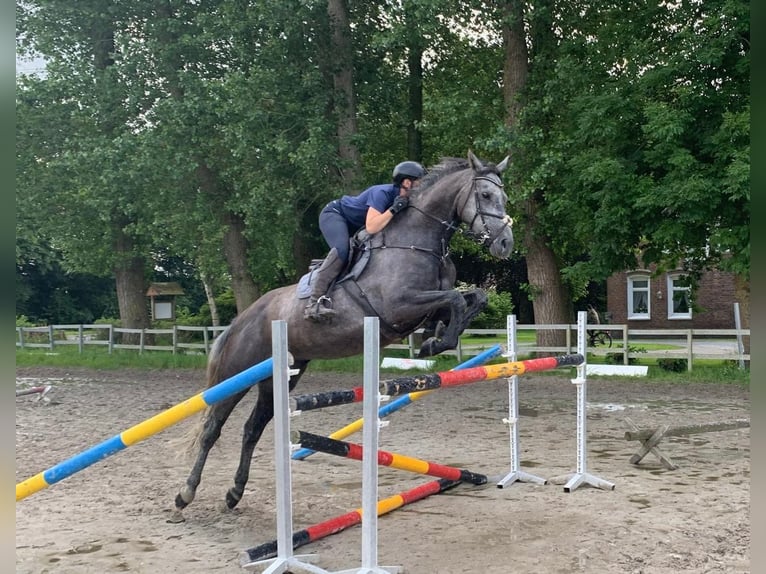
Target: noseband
<point>485,237</point>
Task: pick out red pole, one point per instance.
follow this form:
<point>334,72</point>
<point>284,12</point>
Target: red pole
<point>339,523</point>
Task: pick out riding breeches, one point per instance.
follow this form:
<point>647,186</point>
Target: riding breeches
<point>335,229</point>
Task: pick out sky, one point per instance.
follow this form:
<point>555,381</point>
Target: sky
<point>29,65</point>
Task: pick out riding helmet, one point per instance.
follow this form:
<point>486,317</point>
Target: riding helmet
<point>408,169</point>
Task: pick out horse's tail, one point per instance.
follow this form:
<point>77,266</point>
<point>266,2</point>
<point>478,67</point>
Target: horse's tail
<point>214,358</point>
<point>213,366</point>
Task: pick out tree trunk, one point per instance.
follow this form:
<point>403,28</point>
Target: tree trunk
<point>129,267</point>
<point>234,242</point>
<point>235,251</point>
<point>130,281</point>
<point>214,318</point>
<point>344,97</point>
<point>516,66</point>
<point>547,292</point>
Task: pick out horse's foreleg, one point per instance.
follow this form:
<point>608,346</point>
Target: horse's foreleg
<point>211,431</point>
<point>463,307</point>
<point>262,413</point>
<point>475,302</point>
<point>439,302</point>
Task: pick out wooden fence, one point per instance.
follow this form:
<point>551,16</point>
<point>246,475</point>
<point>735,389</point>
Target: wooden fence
<point>689,344</point>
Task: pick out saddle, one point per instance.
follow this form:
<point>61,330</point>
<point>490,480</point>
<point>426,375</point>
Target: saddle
<point>359,257</point>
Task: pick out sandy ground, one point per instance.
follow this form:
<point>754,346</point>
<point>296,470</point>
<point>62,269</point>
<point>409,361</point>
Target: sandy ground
<point>113,515</point>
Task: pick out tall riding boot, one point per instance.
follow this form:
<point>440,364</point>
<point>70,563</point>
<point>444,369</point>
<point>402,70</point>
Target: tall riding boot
<point>319,307</point>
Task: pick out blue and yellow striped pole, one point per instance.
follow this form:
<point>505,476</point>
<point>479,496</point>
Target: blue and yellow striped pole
<point>147,428</point>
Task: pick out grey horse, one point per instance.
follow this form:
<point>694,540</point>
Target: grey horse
<point>408,280</point>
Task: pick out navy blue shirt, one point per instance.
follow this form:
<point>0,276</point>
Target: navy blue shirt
<point>381,197</point>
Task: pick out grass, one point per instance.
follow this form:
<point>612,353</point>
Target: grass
<point>100,359</point>
<point>705,370</point>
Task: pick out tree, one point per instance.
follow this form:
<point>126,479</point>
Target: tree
<point>216,132</point>
<point>545,288</point>
<point>631,140</point>
<point>74,127</point>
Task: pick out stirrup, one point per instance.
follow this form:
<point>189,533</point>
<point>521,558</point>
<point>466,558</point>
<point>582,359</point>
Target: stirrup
<point>319,310</point>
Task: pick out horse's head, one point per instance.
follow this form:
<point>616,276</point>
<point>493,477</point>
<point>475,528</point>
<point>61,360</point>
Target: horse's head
<point>482,207</point>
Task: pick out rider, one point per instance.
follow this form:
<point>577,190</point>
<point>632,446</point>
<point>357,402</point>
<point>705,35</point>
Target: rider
<point>342,218</point>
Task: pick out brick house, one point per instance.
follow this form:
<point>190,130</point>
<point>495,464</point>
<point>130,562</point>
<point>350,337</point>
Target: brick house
<point>643,301</point>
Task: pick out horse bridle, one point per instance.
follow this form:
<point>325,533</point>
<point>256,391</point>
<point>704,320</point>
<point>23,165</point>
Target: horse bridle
<point>486,237</point>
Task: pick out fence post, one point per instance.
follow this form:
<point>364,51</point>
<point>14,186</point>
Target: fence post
<point>79,338</point>
<point>110,331</point>
<point>625,346</point>
<point>740,344</point>
<point>175,338</point>
<point>205,339</point>
<point>50,336</point>
<point>690,351</point>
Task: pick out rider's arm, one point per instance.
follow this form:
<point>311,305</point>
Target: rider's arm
<point>376,220</point>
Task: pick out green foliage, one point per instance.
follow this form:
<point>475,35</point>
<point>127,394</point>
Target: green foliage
<point>633,136</point>
<point>494,315</point>
<point>673,365</point>
<point>23,321</point>
<point>635,140</point>
<point>617,358</point>
<point>227,310</point>
<point>725,373</point>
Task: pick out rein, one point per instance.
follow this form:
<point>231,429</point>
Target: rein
<point>450,227</point>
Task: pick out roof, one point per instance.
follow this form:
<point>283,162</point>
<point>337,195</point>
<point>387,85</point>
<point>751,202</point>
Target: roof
<point>168,288</point>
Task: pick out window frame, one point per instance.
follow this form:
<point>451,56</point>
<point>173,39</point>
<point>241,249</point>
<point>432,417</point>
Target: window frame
<point>632,290</point>
<point>672,288</point>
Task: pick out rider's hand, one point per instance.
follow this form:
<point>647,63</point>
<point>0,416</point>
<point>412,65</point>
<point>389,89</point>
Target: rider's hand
<point>401,202</point>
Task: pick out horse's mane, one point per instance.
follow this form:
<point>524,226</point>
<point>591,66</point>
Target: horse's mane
<point>445,167</point>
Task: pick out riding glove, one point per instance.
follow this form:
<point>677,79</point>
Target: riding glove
<point>401,202</point>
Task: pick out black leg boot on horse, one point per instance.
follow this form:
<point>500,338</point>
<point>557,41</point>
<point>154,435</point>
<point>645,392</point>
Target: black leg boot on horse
<point>319,307</point>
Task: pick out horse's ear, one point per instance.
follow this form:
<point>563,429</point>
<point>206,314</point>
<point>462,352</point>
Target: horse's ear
<point>475,163</point>
<point>503,164</point>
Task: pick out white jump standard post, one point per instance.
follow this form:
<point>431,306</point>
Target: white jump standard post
<point>285,561</point>
<point>370,431</point>
<point>581,476</point>
<point>513,415</point>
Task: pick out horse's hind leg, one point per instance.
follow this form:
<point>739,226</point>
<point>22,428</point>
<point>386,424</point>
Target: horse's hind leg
<point>211,431</point>
<point>262,413</point>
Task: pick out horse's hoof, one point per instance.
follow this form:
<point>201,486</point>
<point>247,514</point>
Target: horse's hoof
<point>181,503</point>
<point>427,348</point>
<point>231,500</point>
<point>176,517</point>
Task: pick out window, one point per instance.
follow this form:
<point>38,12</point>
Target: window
<point>679,297</point>
<point>638,297</point>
